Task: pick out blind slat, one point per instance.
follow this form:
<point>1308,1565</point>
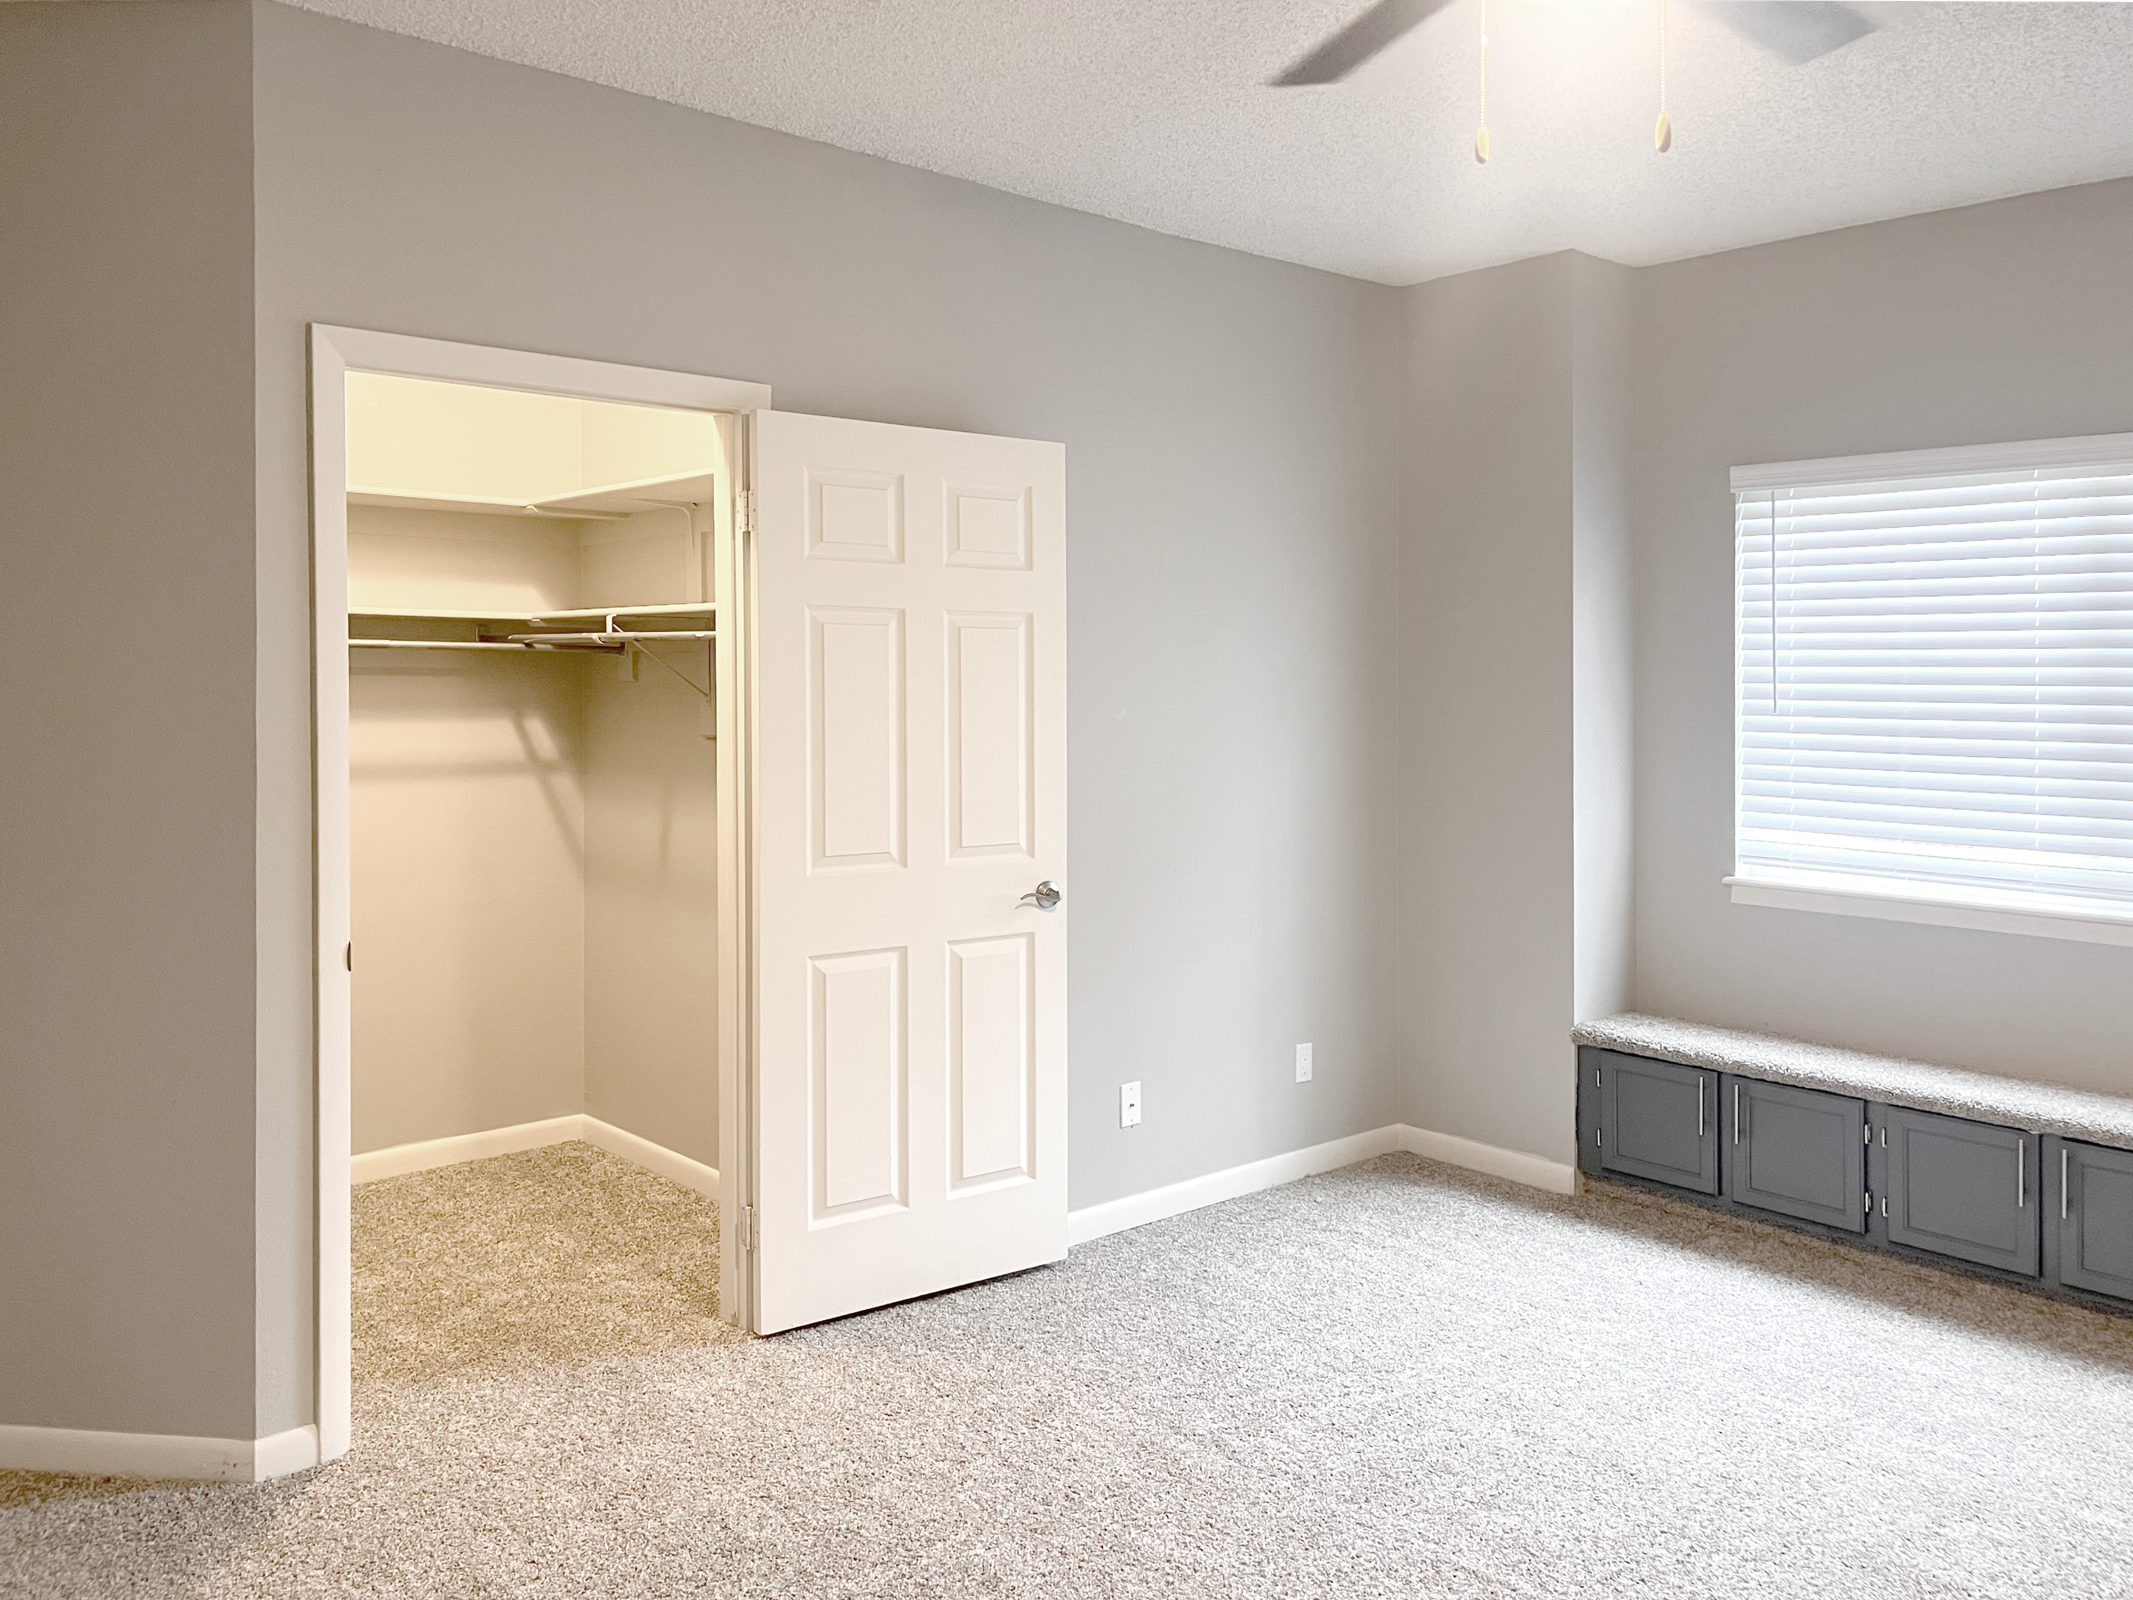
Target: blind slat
<point>1935,685</point>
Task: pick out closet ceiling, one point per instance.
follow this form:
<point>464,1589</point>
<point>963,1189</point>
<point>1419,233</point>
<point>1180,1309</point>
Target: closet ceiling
<point>1155,112</point>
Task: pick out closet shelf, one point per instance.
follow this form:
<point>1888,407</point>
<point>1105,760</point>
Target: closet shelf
<point>595,613</point>
<point>434,614</point>
<point>481,506</point>
<point>607,501</point>
<point>624,627</point>
<point>504,614</point>
<point>619,636</point>
<point>645,494</point>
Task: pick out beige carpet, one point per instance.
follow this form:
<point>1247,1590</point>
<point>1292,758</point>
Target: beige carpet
<point>1393,1380</point>
<point>529,1260</point>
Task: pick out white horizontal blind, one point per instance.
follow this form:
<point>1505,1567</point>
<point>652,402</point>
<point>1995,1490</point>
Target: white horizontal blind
<point>1936,687</point>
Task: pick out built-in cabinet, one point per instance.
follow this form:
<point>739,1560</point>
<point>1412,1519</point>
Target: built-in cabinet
<point>1797,1152</point>
<point>1959,1188</point>
<point>1655,1121</point>
<point>2088,1225</point>
<point>2048,1212</point>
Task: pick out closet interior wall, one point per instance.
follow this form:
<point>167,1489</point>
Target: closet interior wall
<point>534,832</point>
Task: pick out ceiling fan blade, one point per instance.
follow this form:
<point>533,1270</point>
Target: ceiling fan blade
<point>1798,30</point>
<point>1363,38</point>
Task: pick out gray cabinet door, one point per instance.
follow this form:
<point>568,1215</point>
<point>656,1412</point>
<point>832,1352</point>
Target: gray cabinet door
<point>1798,1152</point>
<point>1658,1121</point>
<point>2093,1190</point>
<point>1963,1189</point>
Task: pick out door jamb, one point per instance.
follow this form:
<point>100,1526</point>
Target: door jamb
<point>334,353</point>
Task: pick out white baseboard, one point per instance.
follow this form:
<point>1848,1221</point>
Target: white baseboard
<point>83,1452</point>
<point>1536,1172</point>
<point>395,1160</point>
<point>398,1159</point>
<point>1114,1216</point>
<point>653,1157</point>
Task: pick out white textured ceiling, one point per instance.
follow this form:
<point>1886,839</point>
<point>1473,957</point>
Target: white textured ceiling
<point>1153,112</point>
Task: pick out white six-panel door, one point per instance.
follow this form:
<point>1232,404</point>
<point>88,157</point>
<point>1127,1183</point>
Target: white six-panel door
<point>911,772</point>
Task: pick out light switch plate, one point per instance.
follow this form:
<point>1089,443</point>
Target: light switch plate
<point>1303,1063</point>
<point>1129,1105</point>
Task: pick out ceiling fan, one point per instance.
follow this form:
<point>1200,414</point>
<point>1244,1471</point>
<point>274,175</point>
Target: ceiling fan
<point>1797,30</point>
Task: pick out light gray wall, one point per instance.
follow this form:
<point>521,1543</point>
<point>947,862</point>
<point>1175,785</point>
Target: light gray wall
<point>1602,666</point>
<point>1485,720</point>
<point>1229,425</point>
<point>1997,322</point>
<point>127,1023</point>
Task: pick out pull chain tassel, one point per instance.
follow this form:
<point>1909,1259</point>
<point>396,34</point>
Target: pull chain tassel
<point>1481,134</point>
<point>1663,132</point>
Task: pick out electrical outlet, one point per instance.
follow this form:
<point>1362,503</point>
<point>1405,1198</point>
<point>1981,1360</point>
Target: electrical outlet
<point>1129,1105</point>
<point>1303,1063</point>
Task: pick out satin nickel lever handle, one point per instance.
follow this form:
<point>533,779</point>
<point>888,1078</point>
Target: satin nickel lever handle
<point>1043,897</point>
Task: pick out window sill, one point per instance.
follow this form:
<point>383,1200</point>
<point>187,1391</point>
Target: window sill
<point>1896,907</point>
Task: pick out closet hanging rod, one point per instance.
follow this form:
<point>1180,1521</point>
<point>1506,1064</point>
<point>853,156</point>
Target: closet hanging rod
<point>565,513</point>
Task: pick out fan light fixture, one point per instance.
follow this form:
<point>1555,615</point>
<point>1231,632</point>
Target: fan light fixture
<point>1798,31</point>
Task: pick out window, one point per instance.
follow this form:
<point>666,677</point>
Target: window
<point>1935,686</point>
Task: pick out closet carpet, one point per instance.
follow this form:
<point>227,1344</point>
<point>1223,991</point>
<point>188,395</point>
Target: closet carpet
<point>1393,1380</point>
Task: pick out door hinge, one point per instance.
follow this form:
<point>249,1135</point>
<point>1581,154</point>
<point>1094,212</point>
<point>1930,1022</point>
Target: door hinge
<point>748,1227</point>
<point>747,511</point>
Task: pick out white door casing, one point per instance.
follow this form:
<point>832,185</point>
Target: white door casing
<point>910,1063</point>
<point>334,353</point>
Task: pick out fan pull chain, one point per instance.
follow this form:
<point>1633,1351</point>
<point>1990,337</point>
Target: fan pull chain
<point>1663,134</point>
<point>1481,134</point>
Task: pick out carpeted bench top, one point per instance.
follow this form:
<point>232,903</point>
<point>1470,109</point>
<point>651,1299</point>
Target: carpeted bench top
<point>2011,1102</point>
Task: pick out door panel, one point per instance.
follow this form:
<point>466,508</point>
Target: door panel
<point>991,1061</point>
<point>859,1106</point>
<point>990,718</point>
<point>854,515</point>
<point>1657,1121</point>
<point>2095,1218</point>
<point>1963,1189</point>
<point>988,525</point>
<point>1799,1152</point>
<point>910,1016</point>
<point>856,736</point>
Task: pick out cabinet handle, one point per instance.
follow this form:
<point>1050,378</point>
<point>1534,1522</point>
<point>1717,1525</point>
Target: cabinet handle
<point>2021,1172</point>
<point>1736,1113</point>
<point>1700,1080</point>
<point>2062,1182</point>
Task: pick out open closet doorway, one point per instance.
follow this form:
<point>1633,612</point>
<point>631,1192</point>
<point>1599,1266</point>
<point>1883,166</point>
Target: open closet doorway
<point>698,792</point>
<point>533,776</point>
